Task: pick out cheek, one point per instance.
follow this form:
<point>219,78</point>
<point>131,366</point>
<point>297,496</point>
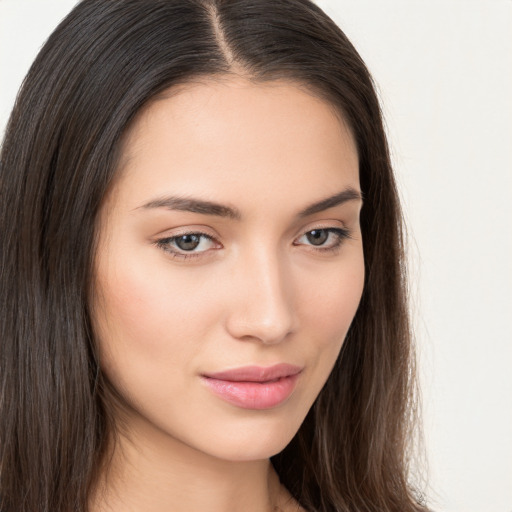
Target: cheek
<point>330,300</point>
<point>328,305</point>
<point>146,320</point>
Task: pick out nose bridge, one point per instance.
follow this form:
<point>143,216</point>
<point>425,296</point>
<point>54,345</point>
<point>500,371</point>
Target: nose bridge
<point>263,301</point>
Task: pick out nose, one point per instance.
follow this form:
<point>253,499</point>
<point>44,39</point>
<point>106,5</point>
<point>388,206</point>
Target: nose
<point>262,306</point>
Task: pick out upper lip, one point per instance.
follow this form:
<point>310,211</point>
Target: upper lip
<point>256,373</point>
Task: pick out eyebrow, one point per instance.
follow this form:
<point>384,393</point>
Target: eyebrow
<point>187,204</point>
<point>346,195</point>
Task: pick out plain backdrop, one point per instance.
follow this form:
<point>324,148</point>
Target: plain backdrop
<point>444,73</point>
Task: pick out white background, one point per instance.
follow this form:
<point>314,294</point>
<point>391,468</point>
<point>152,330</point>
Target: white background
<point>444,73</point>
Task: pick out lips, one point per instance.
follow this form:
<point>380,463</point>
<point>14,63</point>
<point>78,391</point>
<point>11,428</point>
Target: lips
<point>254,387</point>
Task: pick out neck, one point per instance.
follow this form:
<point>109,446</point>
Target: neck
<point>157,473</point>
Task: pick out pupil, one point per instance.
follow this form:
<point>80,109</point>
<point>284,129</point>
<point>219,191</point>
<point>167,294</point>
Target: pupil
<point>317,236</point>
<point>188,242</point>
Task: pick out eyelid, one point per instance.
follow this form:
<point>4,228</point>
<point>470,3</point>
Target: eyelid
<point>333,225</point>
<point>341,233</point>
<point>163,244</point>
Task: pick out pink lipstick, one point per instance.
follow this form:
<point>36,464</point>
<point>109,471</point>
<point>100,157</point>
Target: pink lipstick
<point>254,387</point>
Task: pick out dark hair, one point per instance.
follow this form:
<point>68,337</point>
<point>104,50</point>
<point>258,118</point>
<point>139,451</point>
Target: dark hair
<point>102,64</point>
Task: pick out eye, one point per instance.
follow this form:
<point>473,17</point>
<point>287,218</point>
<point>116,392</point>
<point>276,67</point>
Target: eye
<point>324,238</point>
<point>187,244</point>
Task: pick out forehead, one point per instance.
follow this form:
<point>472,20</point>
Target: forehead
<point>233,137</point>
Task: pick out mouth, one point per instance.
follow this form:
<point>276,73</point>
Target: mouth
<point>254,387</point>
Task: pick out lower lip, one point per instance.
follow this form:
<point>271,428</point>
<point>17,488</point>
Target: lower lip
<point>253,395</point>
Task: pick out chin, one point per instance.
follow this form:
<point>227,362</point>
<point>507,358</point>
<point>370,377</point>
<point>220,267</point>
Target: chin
<point>261,436</point>
<point>240,447</point>
<point>240,436</point>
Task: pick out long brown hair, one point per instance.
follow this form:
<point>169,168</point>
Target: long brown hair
<point>105,61</point>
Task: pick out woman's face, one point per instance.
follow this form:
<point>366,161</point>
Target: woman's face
<point>230,265</point>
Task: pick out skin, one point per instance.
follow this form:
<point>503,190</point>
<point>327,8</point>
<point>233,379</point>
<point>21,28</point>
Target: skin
<point>258,293</point>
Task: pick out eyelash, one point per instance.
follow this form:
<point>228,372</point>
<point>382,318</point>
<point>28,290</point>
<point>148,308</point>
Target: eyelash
<point>163,243</point>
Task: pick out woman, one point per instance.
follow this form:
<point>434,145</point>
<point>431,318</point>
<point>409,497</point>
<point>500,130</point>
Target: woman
<point>198,311</point>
